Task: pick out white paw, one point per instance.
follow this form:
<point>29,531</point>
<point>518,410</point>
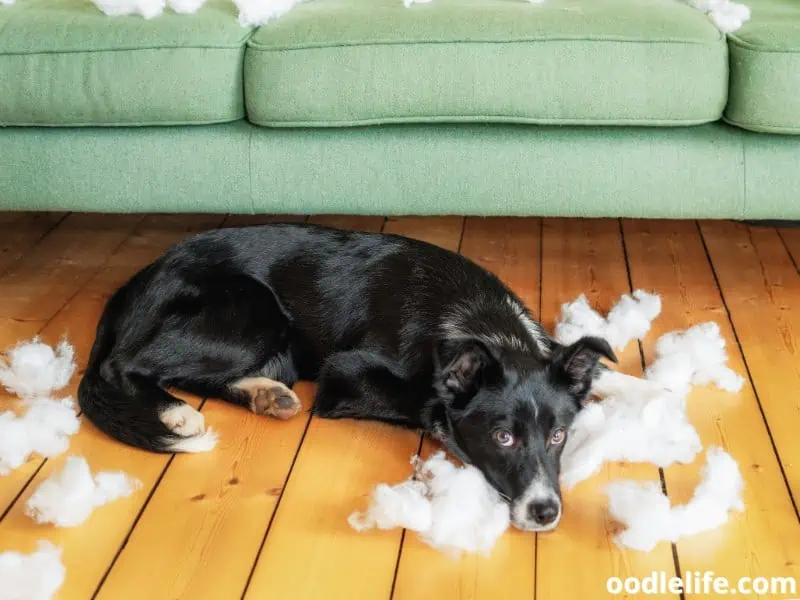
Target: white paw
<point>183,420</point>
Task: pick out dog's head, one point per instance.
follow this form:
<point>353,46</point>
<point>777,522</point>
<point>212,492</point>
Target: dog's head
<point>509,417</point>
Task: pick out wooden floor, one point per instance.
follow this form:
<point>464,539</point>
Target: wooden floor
<point>264,515</point>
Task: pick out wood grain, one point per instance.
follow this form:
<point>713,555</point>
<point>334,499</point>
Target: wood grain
<point>510,249</point>
<point>19,232</point>
<point>762,291</point>
<point>36,288</point>
<point>203,527</point>
<point>669,257</point>
<point>100,538</point>
<point>791,237</point>
<point>37,285</point>
<point>587,257</point>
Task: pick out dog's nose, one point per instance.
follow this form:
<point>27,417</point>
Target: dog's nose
<point>543,513</point>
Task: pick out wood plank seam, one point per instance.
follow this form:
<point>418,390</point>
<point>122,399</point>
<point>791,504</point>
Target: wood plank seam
<point>675,559</point>
<point>750,378</point>
<point>419,447</point>
<point>43,460</point>
<point>36,243</point>
<point>788,249</point>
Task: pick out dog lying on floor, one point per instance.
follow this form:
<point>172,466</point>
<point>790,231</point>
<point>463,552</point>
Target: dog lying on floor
<point>392,330</point>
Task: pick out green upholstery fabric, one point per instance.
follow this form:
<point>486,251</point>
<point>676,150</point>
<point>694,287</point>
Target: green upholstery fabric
<point>352,62</point>
<point>708,171</point>
<point>765,69</point>
<point>63,62</point>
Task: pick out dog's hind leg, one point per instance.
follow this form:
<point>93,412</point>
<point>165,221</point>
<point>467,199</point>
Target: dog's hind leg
<point>219,346</point>
<point>361,385</point>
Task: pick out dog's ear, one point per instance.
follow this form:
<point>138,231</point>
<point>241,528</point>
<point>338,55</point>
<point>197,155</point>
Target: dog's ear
<point>462,367</point>
<point>574,366</point>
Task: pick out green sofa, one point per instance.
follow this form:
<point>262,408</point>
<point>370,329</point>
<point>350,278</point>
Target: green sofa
<point>570,107</point>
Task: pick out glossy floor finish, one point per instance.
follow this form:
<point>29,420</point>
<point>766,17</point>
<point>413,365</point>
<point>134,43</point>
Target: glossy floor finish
<point>264,515</point>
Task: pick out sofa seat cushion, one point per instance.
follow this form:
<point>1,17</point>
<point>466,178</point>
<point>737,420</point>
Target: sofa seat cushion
<point>355,62</point>
<point>765,69</point>
<point>63,62</point>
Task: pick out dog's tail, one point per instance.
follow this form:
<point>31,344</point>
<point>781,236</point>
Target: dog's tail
<point>131,408</point>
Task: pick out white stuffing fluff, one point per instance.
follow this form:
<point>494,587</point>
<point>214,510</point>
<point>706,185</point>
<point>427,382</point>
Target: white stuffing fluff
<point>69,496</point>
<point>36,576</point>
<point>261,12</point>
<point>696,356</point>
<point>452,508</point>
<point>646,421</point>
<point>185,6</point>
<point>632,428</point>
<point>44,428</point>
<point>727,16</point>
<point>6,2</point>
<point>649,519</point>
<point>403,505</point>
<point>35,369</point>
<point>629,319</point>
<point>409,3</point>
<point>148,9</point>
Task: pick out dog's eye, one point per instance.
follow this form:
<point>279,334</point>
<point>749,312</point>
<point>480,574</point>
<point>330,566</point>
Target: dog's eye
<point>557,436</point>
<point>504,438</point>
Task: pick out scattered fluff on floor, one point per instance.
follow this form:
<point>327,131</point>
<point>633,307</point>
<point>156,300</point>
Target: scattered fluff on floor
<point>650,425</point>
<point>649,519</point>
<point>727,16</point>
<point>69,496</point>
<point>629,319</point>
<point>693,357</point>
<point>452,508</point>
<point>36,576</point>
<point>44,428</point>
<point>35,369</point>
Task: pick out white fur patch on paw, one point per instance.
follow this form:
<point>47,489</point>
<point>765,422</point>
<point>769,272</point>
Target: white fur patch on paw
<point>183,420</point>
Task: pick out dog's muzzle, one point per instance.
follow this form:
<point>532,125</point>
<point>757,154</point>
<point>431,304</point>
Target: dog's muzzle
<point>538,508</point>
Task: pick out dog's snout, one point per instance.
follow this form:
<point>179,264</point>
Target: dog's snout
<point>543,513</point>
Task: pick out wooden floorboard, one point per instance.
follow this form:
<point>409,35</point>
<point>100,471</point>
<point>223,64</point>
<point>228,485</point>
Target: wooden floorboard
<point>36,287</point>
<point>265,514</point>
<point>587,257</point>
<point>791,238</point>
<point>90,549</point>
<point>510,248</point>
<point>669,257</point>
<point>38,284</point>
<point>761,290</point>
<point>19,232</point>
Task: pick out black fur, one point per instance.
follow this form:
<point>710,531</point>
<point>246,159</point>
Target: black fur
<point>392,329</point>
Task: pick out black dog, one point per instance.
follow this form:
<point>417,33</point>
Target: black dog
<point>392,329</point>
